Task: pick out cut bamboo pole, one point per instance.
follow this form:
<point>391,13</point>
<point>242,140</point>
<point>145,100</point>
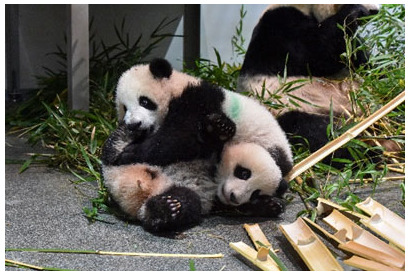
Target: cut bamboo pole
<point>256,235</point>
<point>373,207</point>
<point>336,239</point>
<point>339,240</point>
<point>258,238</point>
<point>388,231</point>
<point>357,234</point>
<point>250,254</point>
<point>325,207</point>
<point>368,265</point>
<point>371,254</point>
<point>344,138</point>
<point>384,222</point>
<point>310,248</point>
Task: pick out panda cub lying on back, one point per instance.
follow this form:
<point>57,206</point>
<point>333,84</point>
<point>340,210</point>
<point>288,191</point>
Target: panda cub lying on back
<point>200,123</point>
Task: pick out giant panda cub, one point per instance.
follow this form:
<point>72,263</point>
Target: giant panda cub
<point>144,91</point>
<point>176,196</point>
<point>305,44</point>
<point>195,120</point>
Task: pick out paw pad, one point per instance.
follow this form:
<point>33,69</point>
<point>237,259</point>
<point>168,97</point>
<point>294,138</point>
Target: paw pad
<point>173,205</point>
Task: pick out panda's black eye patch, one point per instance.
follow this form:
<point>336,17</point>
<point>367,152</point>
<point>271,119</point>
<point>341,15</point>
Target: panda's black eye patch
<point>242,172</point>
<point>147,103</point>
<point>125,108</point>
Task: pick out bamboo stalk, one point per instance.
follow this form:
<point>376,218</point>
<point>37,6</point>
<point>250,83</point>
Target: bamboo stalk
<point>383,179</point>
<point>344,138</point>
<point>263,245</point>
<point>355,233</point>
<point>24,264</point>
<point>113,253</point>
<point>309,247</point>
<point>384,222</point>
<point>368,265</point>
<point>251,254</point>
<point>371,254</point>
<point>256,235</point>
<point>35,267</point>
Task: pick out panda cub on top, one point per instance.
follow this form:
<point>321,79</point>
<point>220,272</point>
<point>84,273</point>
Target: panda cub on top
<point>161,175</point>
<point>307,42</point>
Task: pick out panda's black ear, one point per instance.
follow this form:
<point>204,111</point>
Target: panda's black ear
<point>160,68</point>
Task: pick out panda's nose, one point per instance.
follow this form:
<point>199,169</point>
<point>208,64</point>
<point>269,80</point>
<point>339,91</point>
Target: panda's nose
<point>233,199</point>
<point>134,126</point>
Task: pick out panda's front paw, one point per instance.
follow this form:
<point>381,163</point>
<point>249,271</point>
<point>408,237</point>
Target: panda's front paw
<point>219,126</point>
<point>175,209</point>
<point>263,206</point>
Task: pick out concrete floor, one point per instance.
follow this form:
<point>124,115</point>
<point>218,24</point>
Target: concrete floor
<point>43,209</point>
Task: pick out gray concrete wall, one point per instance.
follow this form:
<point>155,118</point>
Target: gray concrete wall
<point>43,27</point>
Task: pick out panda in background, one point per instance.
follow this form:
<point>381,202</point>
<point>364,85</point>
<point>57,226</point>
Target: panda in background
<point>197,124</point>
<point>304,40</point>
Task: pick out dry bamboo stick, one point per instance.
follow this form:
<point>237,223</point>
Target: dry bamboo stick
<point>368,265</point>
<point>336,239</point>
<point>326,207</point>
<point>372,207</point>
<point>256,235</point>
<point>24,264</point>
<point>344,138</point>
<point>371,254</point>
<point>251,254</point>
<point>309,247</point>
<point>113,253</point>
<point>261,243</point>
<point>382,179</point>
<point>355,233</point>
<point>384,222</point>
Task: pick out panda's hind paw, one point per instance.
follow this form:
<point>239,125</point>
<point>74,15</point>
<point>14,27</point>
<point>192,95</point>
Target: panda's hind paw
<point>173,206</point>
<point>175,209</point>
<point>219,126</point>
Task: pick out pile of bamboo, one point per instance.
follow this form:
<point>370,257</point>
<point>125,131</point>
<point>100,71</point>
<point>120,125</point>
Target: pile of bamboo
<point>363,249</point>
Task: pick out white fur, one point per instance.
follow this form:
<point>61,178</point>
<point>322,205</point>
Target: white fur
<point>266,174</point>
<point>317,92</point>
<point>254,123</point>
<point>319,11</point>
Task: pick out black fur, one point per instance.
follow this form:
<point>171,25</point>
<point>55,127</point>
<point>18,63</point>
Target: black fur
<point>281,160</point>
<point>123,134</point>
<point>312,48</point>
<point>259,206</point>
<point>195,127</point>
<point>301,127</point>
<point>160,68</point>
<point>175,209</point>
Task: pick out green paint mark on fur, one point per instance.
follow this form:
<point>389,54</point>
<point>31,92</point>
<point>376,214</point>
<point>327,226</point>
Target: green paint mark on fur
<point>234,106</point>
